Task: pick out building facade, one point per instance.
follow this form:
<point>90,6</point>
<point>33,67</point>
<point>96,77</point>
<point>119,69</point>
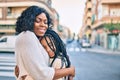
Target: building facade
<point>105,23</point>
<point>87,20</point>
<point>11,9</point>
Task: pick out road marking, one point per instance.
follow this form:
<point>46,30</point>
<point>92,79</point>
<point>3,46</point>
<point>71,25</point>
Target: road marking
<point>83,50</point>
<point>7,64</point>
<point>7,74</point>
<point>7,58</point>
<point>71,49</point>
<point>6,68</point>
<point>77,49</point>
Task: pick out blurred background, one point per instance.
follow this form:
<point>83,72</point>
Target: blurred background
<point>87,27</point>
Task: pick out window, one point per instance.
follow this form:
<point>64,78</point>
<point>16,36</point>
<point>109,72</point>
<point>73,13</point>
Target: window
<point>3,40</point>
<point>9,11</point>
<point>89,9</point>
<point>105,11</point>
<point>115,12</point>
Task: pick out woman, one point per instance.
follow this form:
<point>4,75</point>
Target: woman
<point>56,51</point>
<point>31,58</point>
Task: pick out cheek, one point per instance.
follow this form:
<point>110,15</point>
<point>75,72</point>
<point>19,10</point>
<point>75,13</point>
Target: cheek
<point>35,26</point>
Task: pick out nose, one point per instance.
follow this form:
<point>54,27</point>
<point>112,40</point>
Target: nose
<point>42,24</point>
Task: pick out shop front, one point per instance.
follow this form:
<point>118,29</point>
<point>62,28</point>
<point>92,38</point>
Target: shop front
<point>114,40</point>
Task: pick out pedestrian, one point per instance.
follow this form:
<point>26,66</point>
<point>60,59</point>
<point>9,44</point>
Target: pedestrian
<point>31,58</point>
<point>56,50</point>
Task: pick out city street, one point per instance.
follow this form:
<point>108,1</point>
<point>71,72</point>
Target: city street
<point>90,30</point>
<point>94,66</point>
<point>7,63</point>
<point>89,65</point>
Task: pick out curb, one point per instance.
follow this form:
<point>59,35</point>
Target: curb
<point>103,51</point>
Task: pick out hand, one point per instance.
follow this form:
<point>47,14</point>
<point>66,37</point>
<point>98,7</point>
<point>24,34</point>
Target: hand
<point>70,78</point>
<point>16,71</point>
<point>72,71</point>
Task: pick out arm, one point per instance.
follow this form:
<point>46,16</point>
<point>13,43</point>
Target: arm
<point>33,57</point>
<point>36,64</point>
<point>64,72</point>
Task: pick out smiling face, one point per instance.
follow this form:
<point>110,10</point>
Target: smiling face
<point>40,24</point>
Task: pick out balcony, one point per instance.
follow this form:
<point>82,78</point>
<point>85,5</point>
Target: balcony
<point>110,1</point>
<point>14,12</point>
<point>7,28</point>
<point>89,4</point>
<point>21,3</point>
<point>107,19</point>
<point>89,21</point>
<point>21,0</point>
<point>89,14</point>
<point>7,22</point>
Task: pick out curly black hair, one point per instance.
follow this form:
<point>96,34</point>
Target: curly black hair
<point>26,20</point>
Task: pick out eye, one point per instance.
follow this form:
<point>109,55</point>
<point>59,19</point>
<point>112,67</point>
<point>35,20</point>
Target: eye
<point>45,22</point>
<point>37,20</point>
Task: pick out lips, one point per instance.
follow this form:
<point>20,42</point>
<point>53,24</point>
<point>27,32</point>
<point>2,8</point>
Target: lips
<point>42,30</point>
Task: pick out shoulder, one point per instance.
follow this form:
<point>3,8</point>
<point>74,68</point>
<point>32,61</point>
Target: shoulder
<point>26,36</point>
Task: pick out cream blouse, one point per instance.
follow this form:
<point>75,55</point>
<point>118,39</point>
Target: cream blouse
<point>31,57</point>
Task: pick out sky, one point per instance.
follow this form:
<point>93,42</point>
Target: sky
<point>70,12</point>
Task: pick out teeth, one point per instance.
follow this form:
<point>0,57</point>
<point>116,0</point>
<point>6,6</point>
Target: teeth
<point>41,30</point>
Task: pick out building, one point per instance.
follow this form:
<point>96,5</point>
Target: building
<point>87,20</point>
<point>63,31</point>
<point>11,9</point>
<point>105,23</point>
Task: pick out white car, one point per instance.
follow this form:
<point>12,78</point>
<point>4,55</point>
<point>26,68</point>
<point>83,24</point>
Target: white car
<point>85,44</point>
<point>7,43</point>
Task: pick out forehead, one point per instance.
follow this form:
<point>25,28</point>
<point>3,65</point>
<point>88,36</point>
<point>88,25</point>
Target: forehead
<point>42,16</point>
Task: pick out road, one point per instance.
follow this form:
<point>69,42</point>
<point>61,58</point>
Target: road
<point>94,66</point>
<point>89,66</point>
<point>7,63</point>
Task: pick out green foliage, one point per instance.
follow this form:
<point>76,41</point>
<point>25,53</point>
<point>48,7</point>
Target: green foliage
<point>112,27</point>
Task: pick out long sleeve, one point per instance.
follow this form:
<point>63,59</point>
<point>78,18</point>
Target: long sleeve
<point>33,57</point>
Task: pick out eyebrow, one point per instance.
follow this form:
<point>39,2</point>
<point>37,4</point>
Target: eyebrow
<point>41,18</point>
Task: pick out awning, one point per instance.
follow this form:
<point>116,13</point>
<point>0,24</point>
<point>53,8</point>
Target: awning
<point>97,25</point>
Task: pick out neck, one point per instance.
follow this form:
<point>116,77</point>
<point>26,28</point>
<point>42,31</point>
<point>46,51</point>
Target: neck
<point>39,37</point>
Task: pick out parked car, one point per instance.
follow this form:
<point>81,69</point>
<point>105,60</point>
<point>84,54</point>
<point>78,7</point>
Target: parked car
<point>85,43</point>
<point>7,43</point>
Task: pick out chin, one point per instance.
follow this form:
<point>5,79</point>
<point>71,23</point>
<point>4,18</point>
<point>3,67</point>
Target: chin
<point>42,34</point>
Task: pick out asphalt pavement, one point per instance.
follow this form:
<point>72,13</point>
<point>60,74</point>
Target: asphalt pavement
<point>94,63</point>
<point>99,49</point>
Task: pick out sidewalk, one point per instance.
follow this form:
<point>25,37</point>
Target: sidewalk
<point>99,49</point>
